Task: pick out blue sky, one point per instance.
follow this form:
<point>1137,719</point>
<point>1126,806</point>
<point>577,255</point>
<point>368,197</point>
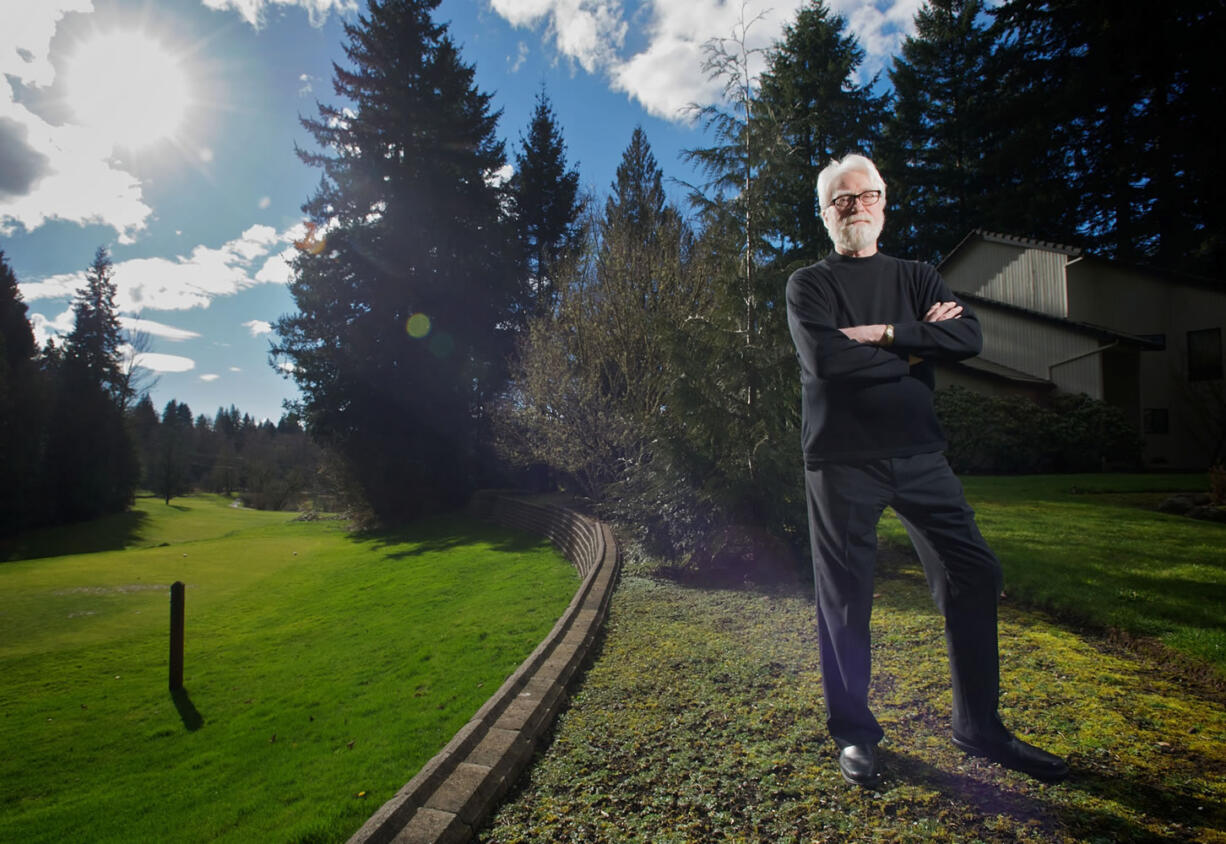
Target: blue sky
<point>200,207</point>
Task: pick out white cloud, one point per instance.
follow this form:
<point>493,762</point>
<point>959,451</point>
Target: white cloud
<point>258,327</point>
<point>25,39</point>
<point>157,329</point>
<point>165,363</point>
<point>588,31</point>
<point>192,281</point>
<point>265,202</point>
<point>236,369</point>
<point>44,328</point>
<point>521,56</point>
<point>50,172</point>
<point>252,11</point>
<point>665,75</point>
<point>209,378</point>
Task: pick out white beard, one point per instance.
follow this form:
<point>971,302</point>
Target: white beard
<point>855,237</point>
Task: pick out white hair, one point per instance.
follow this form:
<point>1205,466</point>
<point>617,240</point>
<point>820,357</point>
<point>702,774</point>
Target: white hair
<point>836,168</point>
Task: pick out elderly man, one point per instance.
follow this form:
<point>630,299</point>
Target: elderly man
<point>865,327</point>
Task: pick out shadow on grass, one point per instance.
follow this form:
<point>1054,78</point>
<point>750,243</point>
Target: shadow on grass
<point>446,533</point>
<point>986,799</point>
<point>192,719</point>
<point>109,533</point>
<point>1147,799</point>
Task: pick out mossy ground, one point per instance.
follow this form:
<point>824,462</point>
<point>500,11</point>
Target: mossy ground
<point>701,720</point>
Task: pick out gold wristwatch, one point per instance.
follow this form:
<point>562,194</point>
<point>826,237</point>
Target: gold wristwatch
<point>888,338</point>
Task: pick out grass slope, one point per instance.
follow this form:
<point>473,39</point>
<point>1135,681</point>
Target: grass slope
<point>701,719</point>
<point>1092,549</point>
<point>321,671</point>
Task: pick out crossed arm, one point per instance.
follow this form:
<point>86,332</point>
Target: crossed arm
<point>875,334</point>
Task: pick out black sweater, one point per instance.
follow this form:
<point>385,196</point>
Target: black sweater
<point>861,401</point>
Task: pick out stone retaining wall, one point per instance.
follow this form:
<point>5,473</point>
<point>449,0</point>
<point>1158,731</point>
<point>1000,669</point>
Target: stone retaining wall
<point>456,791</point>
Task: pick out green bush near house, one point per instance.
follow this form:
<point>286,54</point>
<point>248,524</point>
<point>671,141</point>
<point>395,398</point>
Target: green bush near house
<point>322,669</point>
<point>1014,435</point>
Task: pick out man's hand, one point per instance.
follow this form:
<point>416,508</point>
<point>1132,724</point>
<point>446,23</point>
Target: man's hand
<point>942,311</point>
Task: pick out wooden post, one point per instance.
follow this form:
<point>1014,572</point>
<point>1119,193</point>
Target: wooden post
<point>176,635</point>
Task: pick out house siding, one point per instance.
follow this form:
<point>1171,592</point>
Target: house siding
<point>1042,350</point>
<point>1145,304</point>
<point>1028,278</point>
<point>1056,281</point>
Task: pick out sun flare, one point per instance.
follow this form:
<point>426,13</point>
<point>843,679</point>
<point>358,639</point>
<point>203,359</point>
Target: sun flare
<point>127,87</point>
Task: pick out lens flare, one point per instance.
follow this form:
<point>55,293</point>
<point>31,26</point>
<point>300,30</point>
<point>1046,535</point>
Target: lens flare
<point>418,326</point>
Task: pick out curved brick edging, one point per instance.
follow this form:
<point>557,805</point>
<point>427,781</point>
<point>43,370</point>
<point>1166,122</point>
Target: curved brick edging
<point>457,790</point>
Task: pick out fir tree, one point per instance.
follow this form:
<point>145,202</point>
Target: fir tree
<point>93,344</point>
<point>938,139</point>
<point>404,316</point>
<point>546,196</point>
<point>90,464</point>
<point>21,409</point>
<point>818,112</point>
<point>1105,108</point>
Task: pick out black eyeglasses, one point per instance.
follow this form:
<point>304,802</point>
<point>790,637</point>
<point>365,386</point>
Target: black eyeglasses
<point>867,198</point>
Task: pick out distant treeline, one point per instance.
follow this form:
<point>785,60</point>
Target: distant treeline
<point>76,443</point>
<point>270,467</point>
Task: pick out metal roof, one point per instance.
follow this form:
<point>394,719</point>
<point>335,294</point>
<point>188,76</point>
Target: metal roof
<point>1011,240</point>
<point>1099,331</point>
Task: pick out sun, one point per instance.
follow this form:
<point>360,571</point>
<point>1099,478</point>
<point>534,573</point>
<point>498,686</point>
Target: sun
<point>127,87</point>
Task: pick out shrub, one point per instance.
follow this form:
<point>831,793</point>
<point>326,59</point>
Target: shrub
<point>1014,435</point>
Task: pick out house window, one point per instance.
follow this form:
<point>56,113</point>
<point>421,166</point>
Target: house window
<point>1205,354</point>
<point>1156,420</point>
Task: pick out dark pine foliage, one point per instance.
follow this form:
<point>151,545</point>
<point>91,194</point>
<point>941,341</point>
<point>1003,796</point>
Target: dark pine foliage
<point>410,225</point>
<point>547,206</point>
<point>20,407</point>
<point>90,466</point>
<point>937,141</point>
<point>1102,126</point>
<point>810,95</point>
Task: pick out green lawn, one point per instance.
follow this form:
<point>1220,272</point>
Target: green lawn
<point>702,719</point>
<point>321,669</point>
<point>1092,549</point>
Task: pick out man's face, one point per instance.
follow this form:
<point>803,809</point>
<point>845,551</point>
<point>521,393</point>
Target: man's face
<point>857,228</point>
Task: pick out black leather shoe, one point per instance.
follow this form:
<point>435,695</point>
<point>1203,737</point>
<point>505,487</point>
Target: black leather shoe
<point>859,764</point>
<point>1016,755</point>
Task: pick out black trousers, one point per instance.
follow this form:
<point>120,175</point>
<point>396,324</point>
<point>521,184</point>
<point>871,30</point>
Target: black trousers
<point>845,503</point>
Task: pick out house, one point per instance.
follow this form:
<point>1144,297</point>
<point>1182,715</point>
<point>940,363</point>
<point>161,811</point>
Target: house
<point>1146,341</point>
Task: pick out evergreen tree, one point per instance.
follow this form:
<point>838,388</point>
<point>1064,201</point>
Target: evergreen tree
<point>938,138</point>
<point>592,378</point>
<point>93,345</point>
<point>731,424</point>
<point>90,463</point>
<point>143,425</point>
<point>171,475</point>
<point>20,409</point>
<point>817,111</point>
<point>1105,108</point>
<point>404,317</point>
<point>546,196</point>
